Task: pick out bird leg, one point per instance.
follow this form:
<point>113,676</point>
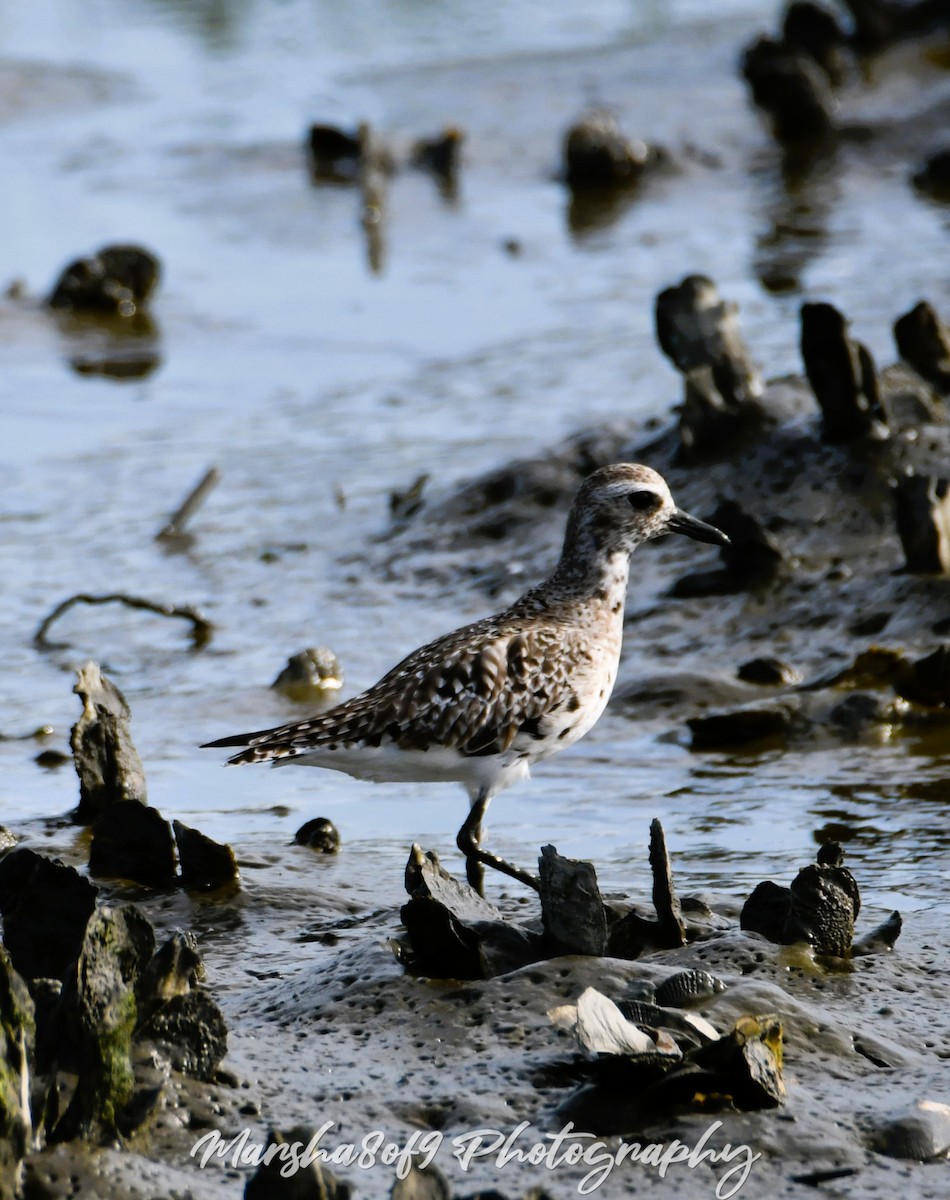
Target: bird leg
<point>469,842</point>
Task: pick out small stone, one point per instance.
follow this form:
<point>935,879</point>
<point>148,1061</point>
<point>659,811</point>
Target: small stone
<point>922,510</point>
<point>921,1135</point>
<point>924,342</point>
<point>768,672</point>
<point>319,834</point>
<point>205,864</point>
<point>313,675</point>
<point>766,910</point>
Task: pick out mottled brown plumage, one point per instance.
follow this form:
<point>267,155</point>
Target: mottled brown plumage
<point>481,704</point>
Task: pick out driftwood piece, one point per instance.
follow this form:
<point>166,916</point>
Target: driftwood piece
<point>200,633</point>
<point>174,528</point>
<point>841,373</point>
<point>922,507</point>
<point>107,762</point>
<point>924,342</point>
<point>373,178</point>
<point>668,911</point>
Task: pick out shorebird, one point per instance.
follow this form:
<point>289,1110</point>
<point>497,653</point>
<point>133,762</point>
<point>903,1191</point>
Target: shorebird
<point>482,704</point>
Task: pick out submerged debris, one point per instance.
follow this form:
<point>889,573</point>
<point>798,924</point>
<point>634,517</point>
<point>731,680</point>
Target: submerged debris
<point>173,531</point>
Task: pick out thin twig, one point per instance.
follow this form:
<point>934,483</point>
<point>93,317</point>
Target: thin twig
<point>189,506</point>
<point>201,627</point>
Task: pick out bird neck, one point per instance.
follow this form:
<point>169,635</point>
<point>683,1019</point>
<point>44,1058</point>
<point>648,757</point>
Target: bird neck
<point>598,574</point>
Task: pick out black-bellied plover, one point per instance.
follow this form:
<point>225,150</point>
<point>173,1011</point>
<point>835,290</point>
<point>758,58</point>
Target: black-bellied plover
<point>484,703</point>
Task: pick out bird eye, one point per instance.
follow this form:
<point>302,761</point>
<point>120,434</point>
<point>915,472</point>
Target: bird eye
<point>644,500</point>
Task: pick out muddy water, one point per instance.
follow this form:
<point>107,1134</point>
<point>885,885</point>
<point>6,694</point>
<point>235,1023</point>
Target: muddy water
<point>317,387</point>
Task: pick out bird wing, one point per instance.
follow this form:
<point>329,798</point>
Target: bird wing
<point>473,690</point>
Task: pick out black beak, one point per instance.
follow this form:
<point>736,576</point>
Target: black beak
<point>682,522</point>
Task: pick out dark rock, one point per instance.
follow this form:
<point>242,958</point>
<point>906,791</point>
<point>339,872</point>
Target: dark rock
<point>922,507</point>
<point>922,1135</point>
<point>598,155</point>
<point>312,676</point>
<point>746,1064</point>
<point>454,933</point>
<point>572,908</point>
<point>830,854</point>
<point>333,154</point>
<point>687,987</point>
<point>823,904</point>
<point>859,712</point>
<point>174,969</point>
<point>766,910</point>
<point>17,1043</point>
<point>205,864</point>
<point>107,762</point>
<point>132,841</point>
<point>813,29</point>
<point>768,672</point>
<point>319,834</point>
<point>45,906</point>
<point>924,342</point>
<point>310,1182</point>
<point>792,88</point>
<point>881,939</point>
<point>751,561</point>
<point>699,332</point>
<point>115,948</point>
<point>927,681</point>
<point>118,280</point>
<point>841,373</point>
<point>192,1030</point>
<point>934,176</point>
<point>739,728</point>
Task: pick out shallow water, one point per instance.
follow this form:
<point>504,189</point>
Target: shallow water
<point>286,362</point>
